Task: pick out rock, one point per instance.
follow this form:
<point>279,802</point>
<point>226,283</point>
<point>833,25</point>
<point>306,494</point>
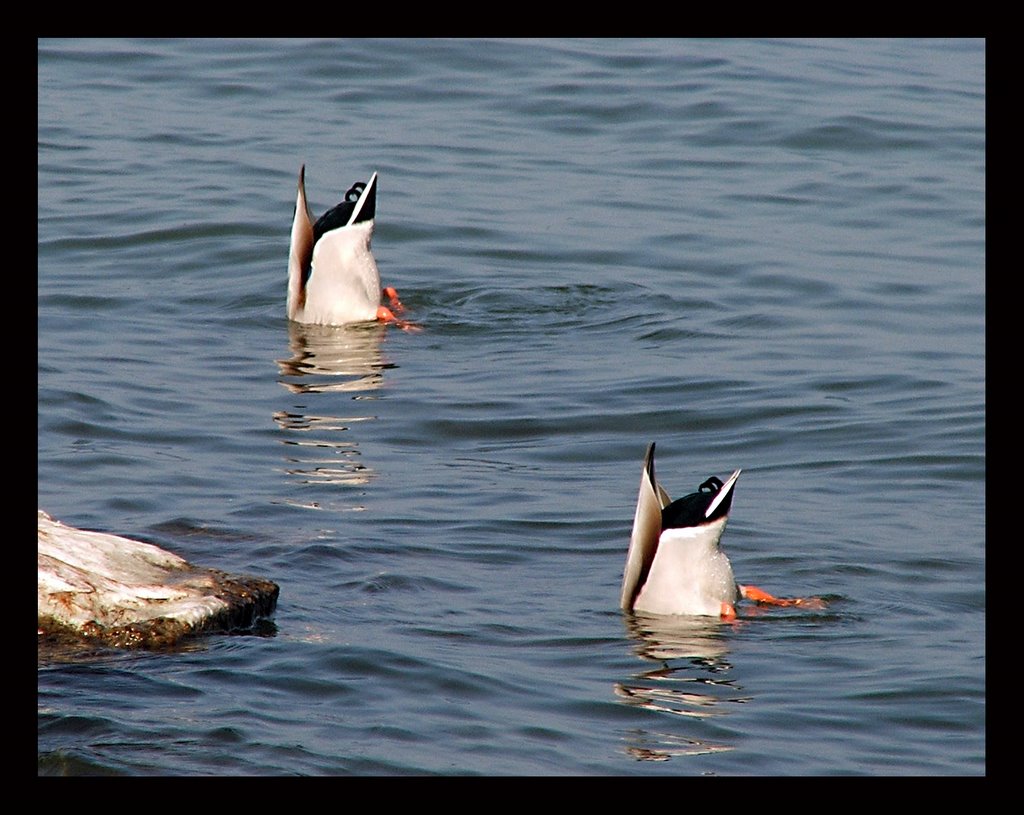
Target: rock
<point>115,591</point>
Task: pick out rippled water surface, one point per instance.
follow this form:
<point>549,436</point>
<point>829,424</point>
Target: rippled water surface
<point>767,255</point>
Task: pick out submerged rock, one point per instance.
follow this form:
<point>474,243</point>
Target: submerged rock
<point>120,592</point>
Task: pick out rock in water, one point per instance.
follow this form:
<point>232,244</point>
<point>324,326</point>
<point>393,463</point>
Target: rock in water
<point>121,592</point>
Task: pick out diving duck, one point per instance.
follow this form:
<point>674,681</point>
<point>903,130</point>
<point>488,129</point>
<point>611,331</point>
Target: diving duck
<point>675,564</point>
<point>332,275</point>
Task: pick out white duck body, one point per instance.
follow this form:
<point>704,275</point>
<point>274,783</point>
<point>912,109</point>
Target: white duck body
<point>690,574</point>
<point>675,564</point>
<point>332,275</point>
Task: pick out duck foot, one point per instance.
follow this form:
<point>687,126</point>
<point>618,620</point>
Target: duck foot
<point>385,315</point>
<point>761,596</point>
<point>392,294</point>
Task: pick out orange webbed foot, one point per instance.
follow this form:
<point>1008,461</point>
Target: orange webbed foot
<point>385,315</point>
<point>392,294</point>
<point>761,596</point>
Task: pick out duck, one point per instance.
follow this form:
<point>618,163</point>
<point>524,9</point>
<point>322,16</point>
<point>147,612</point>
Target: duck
<point>675,563</point>
<point>332,275</point>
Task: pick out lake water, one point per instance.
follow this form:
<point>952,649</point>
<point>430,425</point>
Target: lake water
<point>759,254</point>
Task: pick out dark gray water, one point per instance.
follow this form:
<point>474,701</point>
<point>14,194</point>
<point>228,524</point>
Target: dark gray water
<point>767,255</point>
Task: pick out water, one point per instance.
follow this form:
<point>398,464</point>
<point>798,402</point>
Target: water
<point>765,255</point>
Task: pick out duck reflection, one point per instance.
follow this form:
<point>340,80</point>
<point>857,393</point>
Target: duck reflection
<point>342,358</point>
<point>689,683</point>
<point>672,636</point>
<point>329,359</point>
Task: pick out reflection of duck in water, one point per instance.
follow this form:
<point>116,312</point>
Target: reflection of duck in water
<point>329,360</point>
<point>664,637</point>
<point>334,358</point>
<point>692,683</point>
<point>675,564</point>
<point>332,275</point>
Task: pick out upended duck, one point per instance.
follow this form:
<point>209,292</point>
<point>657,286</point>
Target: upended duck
<point>332,275</point>
<point>675,564</point>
